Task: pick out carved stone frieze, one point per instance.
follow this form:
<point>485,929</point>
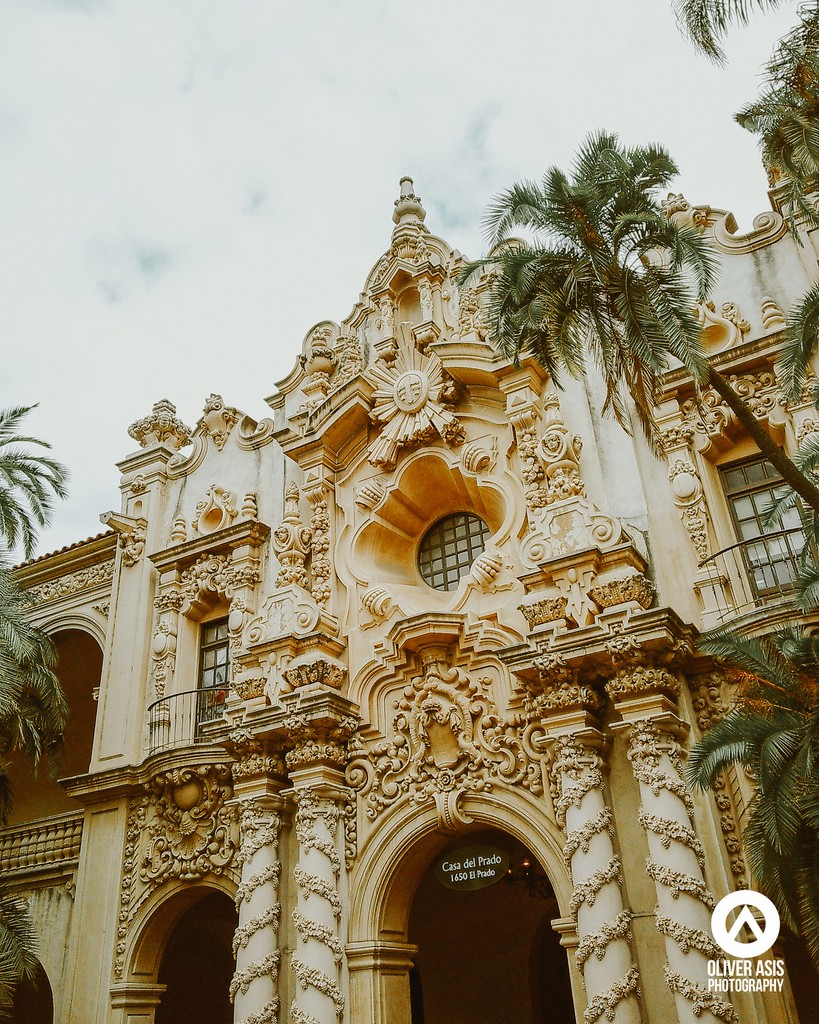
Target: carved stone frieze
<point>161,427</point>
<point>447,738</point>
<point>72,583</point>
<point>411,404</point>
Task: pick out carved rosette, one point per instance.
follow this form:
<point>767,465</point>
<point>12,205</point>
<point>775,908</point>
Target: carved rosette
<point>411,405</point>
<point>448,740</point>
<point>603,922</point>
<point>675,863</point>
<point>291,542</point>
<point>254,988</point>
<point>317,959</point>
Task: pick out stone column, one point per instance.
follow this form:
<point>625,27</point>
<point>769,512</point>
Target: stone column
<point>255,984</point>
<point>644,697</point>
<point>319,952</point>
<point>258,778</point>
<point>567,706</point>
<point>603,923</point>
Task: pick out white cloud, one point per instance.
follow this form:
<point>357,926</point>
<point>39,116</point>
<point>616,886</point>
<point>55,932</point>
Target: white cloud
<point>189,186</point>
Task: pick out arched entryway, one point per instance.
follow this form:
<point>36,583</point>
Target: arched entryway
<point>386,966</point>
<point>33,1002</point>
<point>197,965</point>
<point>487,955</point>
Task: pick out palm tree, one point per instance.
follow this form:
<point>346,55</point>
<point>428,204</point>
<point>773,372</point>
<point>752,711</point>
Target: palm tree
<point>32,705</point>
<point>608,276</point>
<point>705,22</point>
<point>28,481</point>
<point>785,115</point>
<point>773,731</point>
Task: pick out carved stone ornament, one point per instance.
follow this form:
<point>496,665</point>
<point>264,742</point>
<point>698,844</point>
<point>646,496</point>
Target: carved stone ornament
<point>216,511</point>
<point>712,420</point>
<point>218,420</point>
<point>314,668</point>
<point>181,829</point>
<point>213,576</point>
<point>291,542</point>
<point>721,331</point>
<point>634,589</point>
<point>472,318</point>
<point>557,688</point>
<point>192,832</point>
<point>637,680</point>
<point>161,427</point>
<point>447,739</point>
<point>562,519</point>
<point>773,319</point>
<point>83,579</point>
<point>410,404</point>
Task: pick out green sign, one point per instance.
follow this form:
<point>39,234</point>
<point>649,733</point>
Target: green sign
<point>471,867</point>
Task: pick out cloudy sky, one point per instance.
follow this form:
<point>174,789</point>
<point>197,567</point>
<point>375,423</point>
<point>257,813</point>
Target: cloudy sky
<point>187,186</point>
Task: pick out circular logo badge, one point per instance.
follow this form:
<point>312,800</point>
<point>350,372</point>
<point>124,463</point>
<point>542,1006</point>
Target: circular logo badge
<point>411,391</point>
<point>726,934</point>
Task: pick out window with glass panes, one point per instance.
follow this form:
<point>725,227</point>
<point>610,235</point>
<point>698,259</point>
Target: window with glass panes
<point>770,553</point>
<point>450,547</point>
<point>214,665</point>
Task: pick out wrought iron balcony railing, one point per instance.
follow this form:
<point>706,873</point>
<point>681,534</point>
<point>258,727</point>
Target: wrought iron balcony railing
<point>185,719</point>
<point>753,574</point>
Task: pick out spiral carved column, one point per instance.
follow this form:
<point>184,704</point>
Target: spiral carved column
<point>675,863</point>
<point>645,696</point>
<point>254,988</point>
<point>317,960</point>
<point>603,923</point>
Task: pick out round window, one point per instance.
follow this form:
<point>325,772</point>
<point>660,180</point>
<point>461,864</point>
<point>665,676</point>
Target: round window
<point>449,548</point>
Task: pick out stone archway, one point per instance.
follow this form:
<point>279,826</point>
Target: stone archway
<point>171,925</point>
<point>391,868</point>
<point>487,955</point>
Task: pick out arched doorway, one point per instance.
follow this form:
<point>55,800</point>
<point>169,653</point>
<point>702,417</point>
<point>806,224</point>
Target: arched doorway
<point>488,955</point>
<point>197,964</point>
<point>33,1002</point>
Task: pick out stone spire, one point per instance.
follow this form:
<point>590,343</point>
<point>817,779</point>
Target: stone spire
<point>408,213</point>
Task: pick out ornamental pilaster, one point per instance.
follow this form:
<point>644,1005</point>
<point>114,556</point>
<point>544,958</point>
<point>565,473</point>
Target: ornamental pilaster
<point>319,491</point>
<point>645,696</point>
<point>291,542</point>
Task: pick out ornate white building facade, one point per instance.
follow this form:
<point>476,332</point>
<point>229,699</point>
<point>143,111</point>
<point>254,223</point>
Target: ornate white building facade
<point>431,604</point>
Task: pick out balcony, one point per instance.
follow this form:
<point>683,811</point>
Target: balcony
<point>751,580</point>
<point>49,846</point>
<point>188,719</point>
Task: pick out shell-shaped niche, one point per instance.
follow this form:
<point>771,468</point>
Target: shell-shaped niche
<point>385,547</point>
<point>216,511</point>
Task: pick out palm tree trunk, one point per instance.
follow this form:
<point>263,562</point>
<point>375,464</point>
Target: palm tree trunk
<point>773,452</point>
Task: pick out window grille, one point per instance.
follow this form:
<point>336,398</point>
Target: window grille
<point>449,548</point>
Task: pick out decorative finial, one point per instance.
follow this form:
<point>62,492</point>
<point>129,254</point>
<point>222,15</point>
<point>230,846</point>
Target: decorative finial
<point>408,208</point>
